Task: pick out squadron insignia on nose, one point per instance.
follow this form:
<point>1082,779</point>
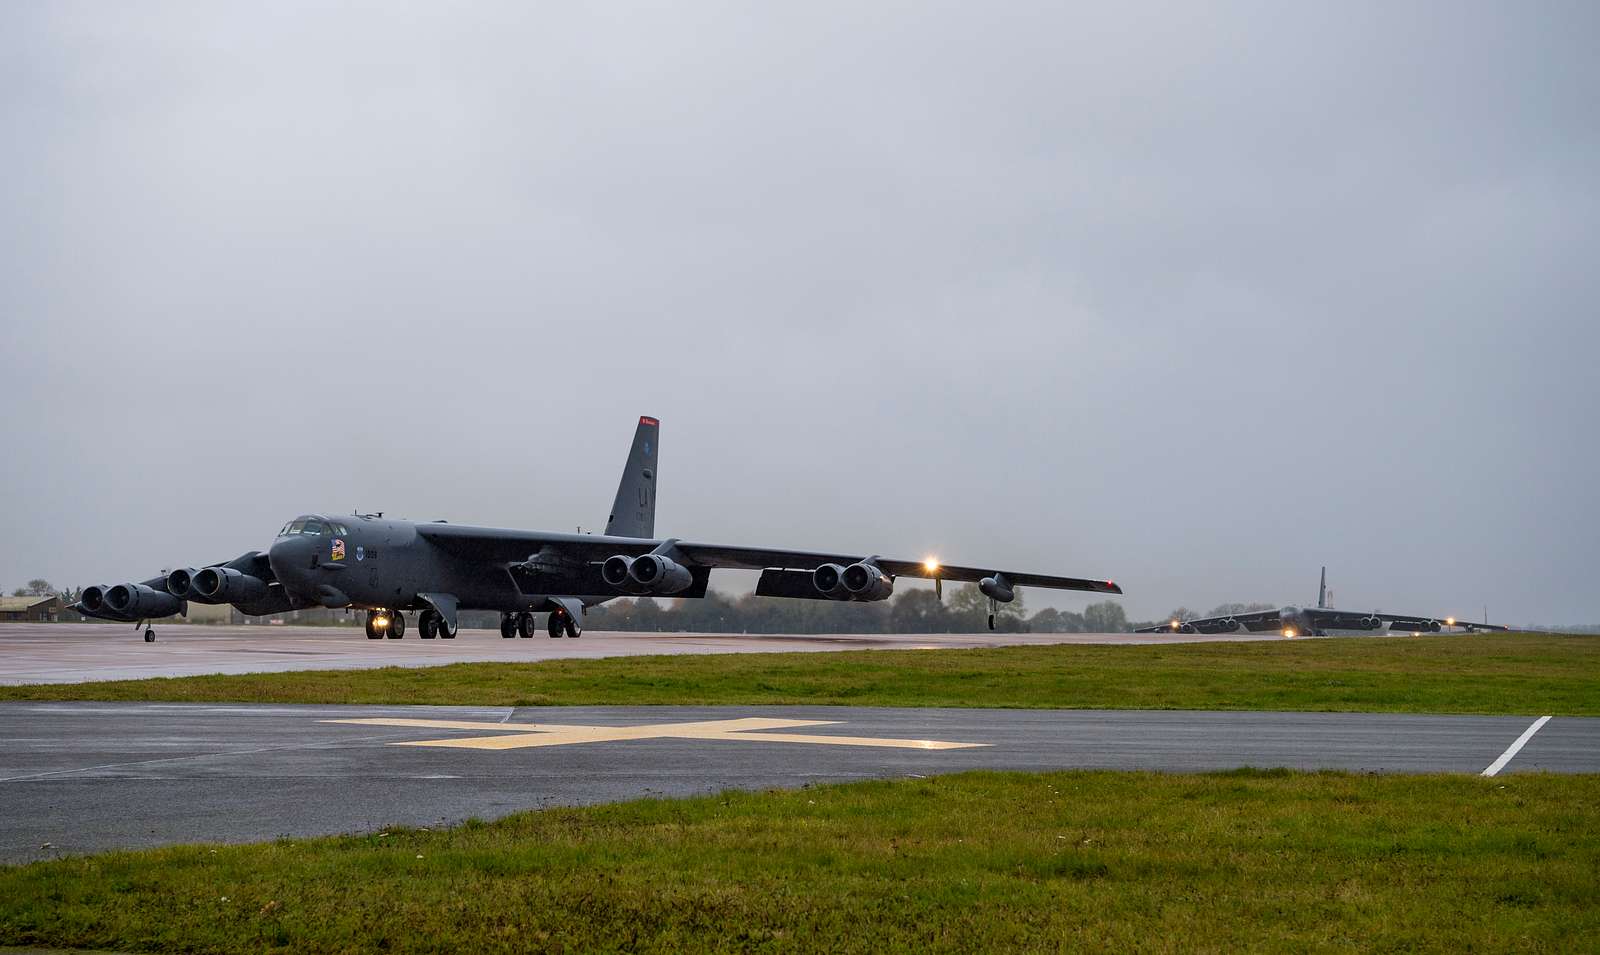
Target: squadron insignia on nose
<point>338,549</point>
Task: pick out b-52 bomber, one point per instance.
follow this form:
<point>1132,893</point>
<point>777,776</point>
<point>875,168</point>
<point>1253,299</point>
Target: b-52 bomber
<point>388,567</point>
<point>1315,621</point>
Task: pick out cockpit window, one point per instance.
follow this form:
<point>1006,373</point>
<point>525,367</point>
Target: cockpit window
<point>312,528</point>
<point>295,526</point>
<point>338,529</point>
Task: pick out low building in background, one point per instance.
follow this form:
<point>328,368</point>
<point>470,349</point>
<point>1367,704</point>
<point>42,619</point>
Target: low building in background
<point>43,609</point>
<point>216,614</point>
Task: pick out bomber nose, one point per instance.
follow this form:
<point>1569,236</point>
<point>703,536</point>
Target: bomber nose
<point>290,558</point>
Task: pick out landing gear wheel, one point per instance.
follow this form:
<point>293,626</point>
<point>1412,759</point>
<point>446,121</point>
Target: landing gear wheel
<point>373,633</point>
<point>553,626</point>
<point>446,631</point>
<point>427,624</point>
<point>397,625</point>
<point>991,621</point>
<point>573,630</point>
<point>508,625</point>
<point>149,635</point>
<point>526,626</point>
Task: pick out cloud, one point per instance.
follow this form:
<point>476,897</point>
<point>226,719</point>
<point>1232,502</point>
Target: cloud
<point>1196,298</point>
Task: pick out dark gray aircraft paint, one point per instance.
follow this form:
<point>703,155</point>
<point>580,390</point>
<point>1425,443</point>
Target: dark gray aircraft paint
<point>1315,621</point>
<point>389,566</point>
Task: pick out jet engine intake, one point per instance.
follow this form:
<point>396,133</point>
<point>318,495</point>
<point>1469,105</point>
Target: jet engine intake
<point>866,582</point>
<point>615,571</point>
<point>997,588</point>
<point>180,584</point>
<point>659,575</point>
<point>93,598</point>
<point>138,602</point>
<point>829,581</point>
<point>1227,625</point>
<point>221,585</point>
<point>1373,622</point>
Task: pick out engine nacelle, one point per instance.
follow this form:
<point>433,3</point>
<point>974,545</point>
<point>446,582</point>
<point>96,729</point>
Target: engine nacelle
<point>93,598</point>
<point>615,571</point>
<point>219,585</point>
<point>1227,625</point>
<point>829,581</point>
<point>138,602</point>
<point>649,574</point>
<point>659,575</point>
<point>1372,623</point>
<point>997,588</point>
<point>866,582</point>
<point>180,581</point>
<point>180,584</point>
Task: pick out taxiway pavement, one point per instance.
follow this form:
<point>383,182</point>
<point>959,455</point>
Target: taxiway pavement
<point>84,777</point>
<point>79,653</point>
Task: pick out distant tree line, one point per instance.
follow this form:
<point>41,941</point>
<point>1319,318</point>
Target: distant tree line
<point>911,611</point>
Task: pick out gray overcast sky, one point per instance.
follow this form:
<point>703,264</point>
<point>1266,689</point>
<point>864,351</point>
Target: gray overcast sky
<point>1197,296</point>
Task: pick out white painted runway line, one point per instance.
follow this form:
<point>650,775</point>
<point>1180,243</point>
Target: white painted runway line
<point>1516,747</point>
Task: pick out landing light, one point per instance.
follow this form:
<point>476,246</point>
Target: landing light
<point>1174,624</point>
<point>1449,621</point>
<point>1289,634</point>
<point>380,622</point>
<point>931,564</point>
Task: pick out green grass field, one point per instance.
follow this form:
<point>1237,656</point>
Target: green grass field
<point>1525,674</point>
<point>1266,861</point>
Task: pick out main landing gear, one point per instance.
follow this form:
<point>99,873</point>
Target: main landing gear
<point>561,621</point>
<point>524,624</point>
<point>385,623</point>
<point>149,632</point>
<point>517,625</point>
<point>431,624</point>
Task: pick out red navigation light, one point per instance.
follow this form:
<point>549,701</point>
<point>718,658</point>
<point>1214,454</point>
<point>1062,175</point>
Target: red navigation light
<point>649,421</point>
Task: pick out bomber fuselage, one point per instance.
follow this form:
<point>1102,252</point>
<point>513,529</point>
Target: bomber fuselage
<point>379,563</point>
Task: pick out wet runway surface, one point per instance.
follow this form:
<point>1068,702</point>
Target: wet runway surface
<point>84,777</point>
<point>78,653</point>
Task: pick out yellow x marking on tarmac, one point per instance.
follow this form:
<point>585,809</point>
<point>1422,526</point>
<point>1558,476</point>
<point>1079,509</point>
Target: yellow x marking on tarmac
<point>520,735</point>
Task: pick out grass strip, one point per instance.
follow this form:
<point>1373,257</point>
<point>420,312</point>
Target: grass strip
<point>1248,860</point>
<point>1528,674</point>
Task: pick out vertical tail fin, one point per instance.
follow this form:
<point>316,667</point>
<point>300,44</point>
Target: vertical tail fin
<point>633,514</point>
<point>1322,590</point>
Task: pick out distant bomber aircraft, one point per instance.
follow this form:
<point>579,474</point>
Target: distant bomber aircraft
<point>1314,621</point>
<point>387,567</point>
